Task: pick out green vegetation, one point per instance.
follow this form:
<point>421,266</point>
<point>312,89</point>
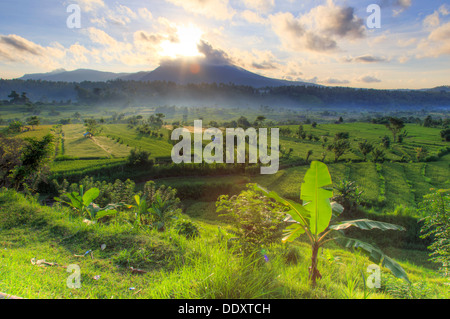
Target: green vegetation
<point>200,230</point>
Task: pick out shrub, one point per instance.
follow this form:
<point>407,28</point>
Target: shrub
<point>256,220</point>
<point>436,208</point>
<point>186,228</point>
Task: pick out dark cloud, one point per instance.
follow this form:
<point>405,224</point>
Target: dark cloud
<point>265,65</point>
<point>336,81</point>
<point>213,56</point>
<point>370,79</point>
<point>317,42</point>
<point>343,22</point>
<point>366,59</point>
<point>19,44</point>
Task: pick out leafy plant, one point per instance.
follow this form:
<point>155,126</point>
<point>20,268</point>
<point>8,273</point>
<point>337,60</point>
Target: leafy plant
<point>83,204</point>
<point>255,219</point>
<point>186,228</point>
<point>313,218</point>
<point>162,210</point>
<point>348,195</point>
<point>436,208</point>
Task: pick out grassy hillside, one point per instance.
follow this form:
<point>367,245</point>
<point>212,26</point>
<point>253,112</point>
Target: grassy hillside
<point>175,267</point>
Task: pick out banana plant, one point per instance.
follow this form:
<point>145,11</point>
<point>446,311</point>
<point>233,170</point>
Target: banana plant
<point>162,210</point>
<point>140,209</point>
<point>315,215</point>
<point>83,204</point>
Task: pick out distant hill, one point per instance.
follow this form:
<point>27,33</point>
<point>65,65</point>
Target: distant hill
<point>196,73</point>
<point>178,72</point>
<point>78,76</point>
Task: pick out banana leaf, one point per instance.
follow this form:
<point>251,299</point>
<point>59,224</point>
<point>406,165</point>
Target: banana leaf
<point>375,255</point>
<point>366,224</point>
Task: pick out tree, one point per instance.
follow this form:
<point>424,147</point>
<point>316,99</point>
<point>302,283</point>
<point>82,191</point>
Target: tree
<point>314,218</point>
<point>339,148</point>
<point>421,153</point>
<point>260,119</point>
<point>15,127</point>
<point>445,135</point>
<point>386,141</point>
<point>310,152</point>
<point>139,158</point>
<point>10,154</point>
<point>349,195</point>
<point>365,148</point>
<point>92,126</point>
<point>395,125</point>
<point>243,122</point>
<point>436,208</point>
<point>255,219</point>
<point>33,121</point>
<point>35,157</point>
<point>378,155</point>
<point>15,97</point>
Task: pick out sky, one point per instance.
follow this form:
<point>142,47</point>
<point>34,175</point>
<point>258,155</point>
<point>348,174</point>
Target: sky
<point>329,42</point>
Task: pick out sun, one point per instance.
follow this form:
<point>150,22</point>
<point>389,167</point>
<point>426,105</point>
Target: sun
<point>186,46</point>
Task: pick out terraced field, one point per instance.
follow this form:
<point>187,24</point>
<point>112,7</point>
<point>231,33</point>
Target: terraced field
<point>76,145</point>
<point>133,139</point>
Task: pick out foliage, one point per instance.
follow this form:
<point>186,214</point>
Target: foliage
<point>365,148</point>
<point>15,127</point>
<point>10,154</point>
<point>349,195</point>
<point>255,219</point>
<point>445,135</point>
<point>34,160</point>
<point>139,158</point>
<point>83,204</point>
<point>395,125</point>
<point>162,211</point>
<point>92,126</point>
<point>186,227</point>
<point>436,209</point>
<point>315,215</point>
<point>339,148</point>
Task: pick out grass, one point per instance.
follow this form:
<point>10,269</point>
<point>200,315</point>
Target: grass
<point>128,136</point>
<point>418,136</point>
<point>202,268</point>
<point>76,145</point>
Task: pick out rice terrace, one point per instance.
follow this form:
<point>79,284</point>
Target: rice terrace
<point>220,174</point>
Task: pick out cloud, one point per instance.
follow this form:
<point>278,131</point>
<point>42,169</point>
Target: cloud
<point>366,59</point>
<point>101,37</point>
<point>213,56</point>
<point>217,9</point>
<point>336,21</point>
<point>145,14</point>
<point>260,5</point>
<point>369,79</point>
<point>335,81</point>
<point>398,5</point>
<point>294,36</point>
<point>90,5</point>
<point>444,10</point>
<point>17,43</point>
<point>319,29</point>
<point>252,17</point>
<point>436,44</point>
<point>432,20</point>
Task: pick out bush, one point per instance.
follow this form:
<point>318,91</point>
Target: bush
<point>139,158</point>
<point>186,228</point>
<point>256,220</point>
